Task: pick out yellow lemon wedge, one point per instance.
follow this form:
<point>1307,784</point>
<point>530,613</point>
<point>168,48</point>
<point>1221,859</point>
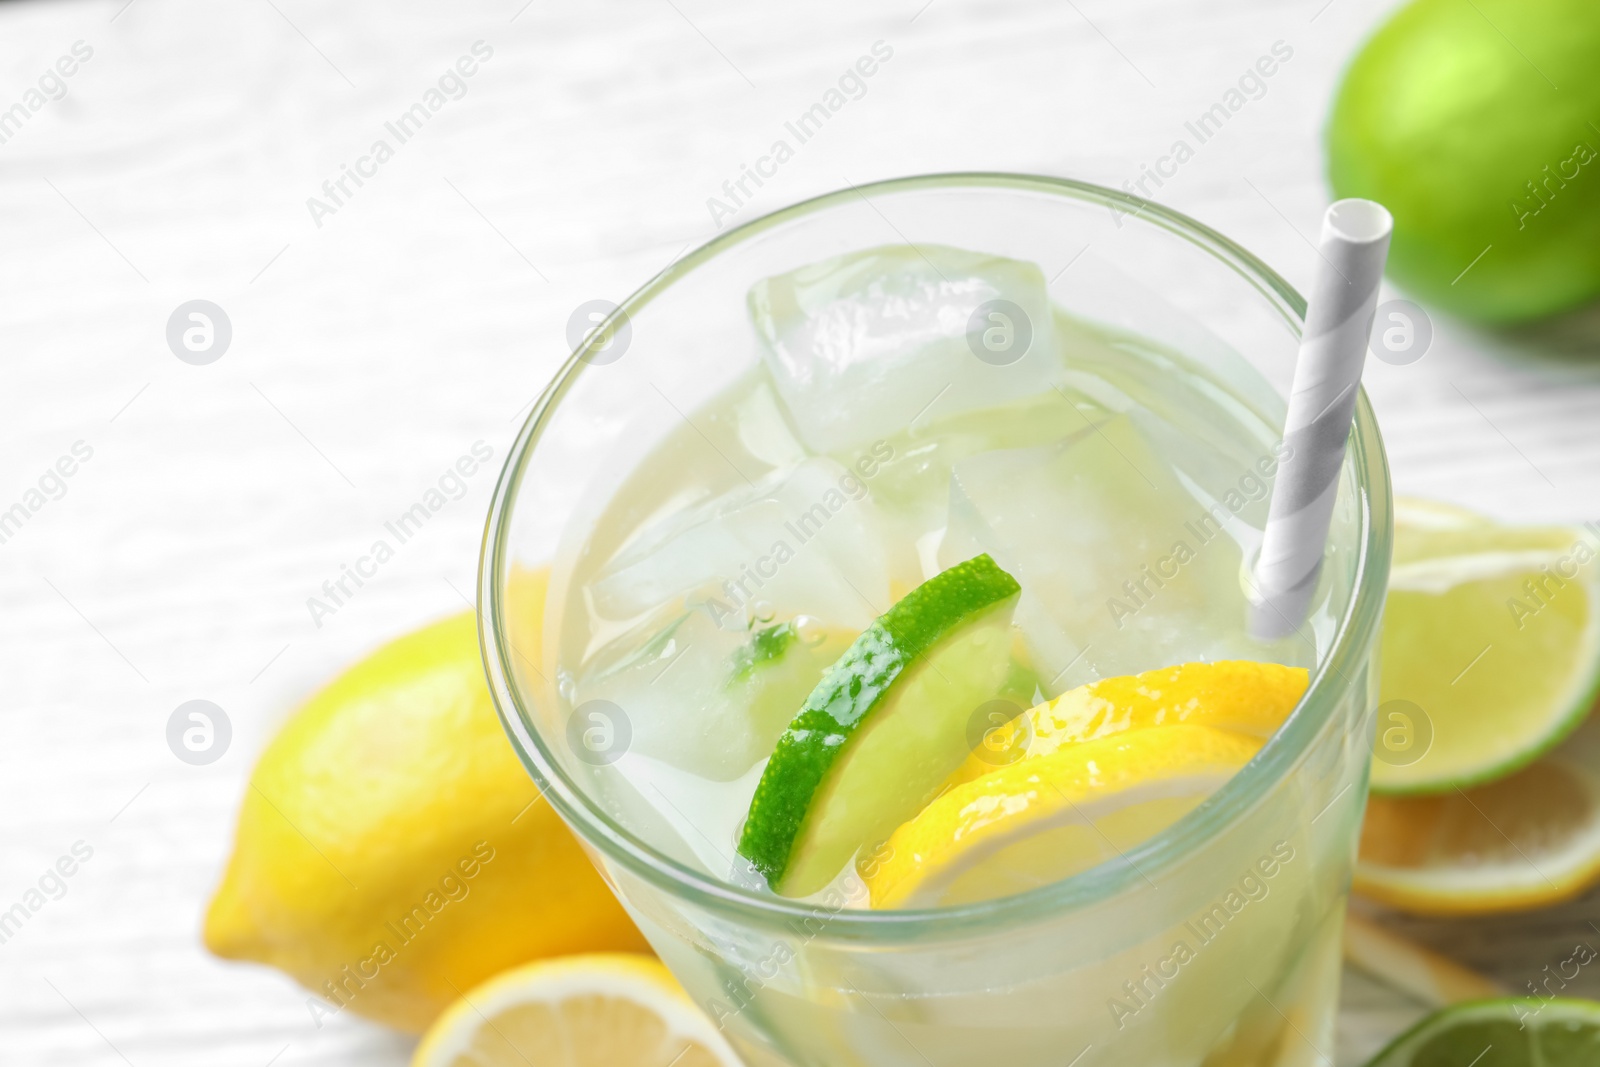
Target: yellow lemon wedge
<point>1046,818</point>
<point>615,1010</point>
<point>1240,695</point>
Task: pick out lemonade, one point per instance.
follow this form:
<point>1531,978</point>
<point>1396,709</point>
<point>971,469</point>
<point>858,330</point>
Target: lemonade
<point>914,657</point>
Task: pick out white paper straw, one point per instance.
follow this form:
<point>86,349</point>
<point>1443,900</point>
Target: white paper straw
<point>1322,400</point>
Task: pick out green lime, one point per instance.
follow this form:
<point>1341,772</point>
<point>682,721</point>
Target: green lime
<point>1512,1032</point>
<point>883,729</point>
<point>1490,651</point>
<point>1475,123</point>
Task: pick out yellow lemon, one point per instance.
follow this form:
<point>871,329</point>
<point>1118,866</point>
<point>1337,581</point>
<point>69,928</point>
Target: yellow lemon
<point>1240,695</point>
<point>392,850</point>
<point>610,1009</point>
<point>1049,817</point>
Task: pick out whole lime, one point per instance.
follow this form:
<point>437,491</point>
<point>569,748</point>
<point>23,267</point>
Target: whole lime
<point>1477,124</point>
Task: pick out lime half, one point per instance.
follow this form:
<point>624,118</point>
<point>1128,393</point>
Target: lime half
<point>883,729</point>
<point>1512,1032</point>
<point>1490,653</point>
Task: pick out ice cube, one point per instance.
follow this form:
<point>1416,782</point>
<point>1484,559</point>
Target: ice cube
<point>705,815</point>
<point>863,344</point>
<point>800,541</point>
<point>763,429</point>
<point>706,699</point>
<point>911,485</point>
<point>1121,569</point>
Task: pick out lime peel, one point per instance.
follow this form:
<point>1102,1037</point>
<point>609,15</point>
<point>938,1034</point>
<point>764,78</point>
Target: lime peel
<point>947,641</point>
<point>1523,1031</point>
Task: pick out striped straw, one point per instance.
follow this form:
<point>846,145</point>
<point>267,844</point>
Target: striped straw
<point>1322,400</point>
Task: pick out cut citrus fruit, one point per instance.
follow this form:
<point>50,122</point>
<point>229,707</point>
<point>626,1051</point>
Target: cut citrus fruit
<point>618,1010</point>
<point>1044,819</point>
<point>883,728</point>
<point>1240,695</point>
<point>1490,650</point>
<point>1522,842</point>
<point>1508,1032</point>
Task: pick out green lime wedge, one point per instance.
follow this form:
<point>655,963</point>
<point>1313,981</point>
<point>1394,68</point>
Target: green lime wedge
<point>1490,651</point>
<point>1512,1032</point>
<point>883,729</point>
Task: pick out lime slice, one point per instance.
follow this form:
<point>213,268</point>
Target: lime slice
<point>1047,818</point>
<point>1526,841</point>
<point>1509,1032</point>
<point>1490,651</point>
<point>887,723</point>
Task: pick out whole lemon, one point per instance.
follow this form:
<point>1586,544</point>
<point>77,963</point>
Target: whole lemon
<point>392,851</point>
<point>1475,123</point>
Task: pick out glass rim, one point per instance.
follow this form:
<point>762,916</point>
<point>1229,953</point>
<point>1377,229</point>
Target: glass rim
<point>1331,677</point>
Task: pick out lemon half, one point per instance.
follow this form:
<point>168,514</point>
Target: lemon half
<point>600,1010</point>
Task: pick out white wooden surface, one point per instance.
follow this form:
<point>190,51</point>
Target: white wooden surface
<point>370,352</point>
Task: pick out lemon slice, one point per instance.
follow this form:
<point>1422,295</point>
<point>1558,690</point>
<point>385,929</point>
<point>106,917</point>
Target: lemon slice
<point>1490,650</point>
<point>1040,820</point>
<point>1240,695</point>
<point>1522,842</point>
<point>613,1009</point>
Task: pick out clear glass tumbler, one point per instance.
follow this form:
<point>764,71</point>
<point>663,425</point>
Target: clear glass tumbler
<point>1214,942</point>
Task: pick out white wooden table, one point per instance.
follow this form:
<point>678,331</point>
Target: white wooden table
<point>371,350</point>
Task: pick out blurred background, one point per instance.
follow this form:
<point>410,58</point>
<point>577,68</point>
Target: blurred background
<point>189,500</point>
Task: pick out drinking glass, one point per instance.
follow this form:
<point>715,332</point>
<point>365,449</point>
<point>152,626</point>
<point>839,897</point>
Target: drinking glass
<point>1214,942</point>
